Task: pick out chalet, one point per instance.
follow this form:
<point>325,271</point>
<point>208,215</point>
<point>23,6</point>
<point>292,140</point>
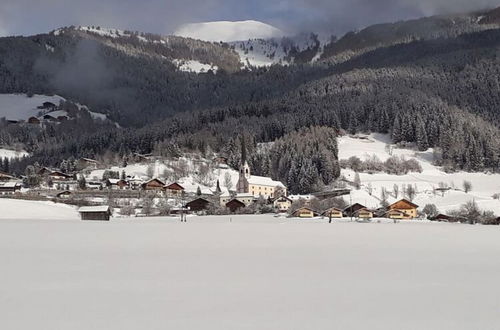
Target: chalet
<point>99,213</point>
<point>34,121</point>
<point>197,205</point>
<point>282,204</point>
<point>86,163</point>
<point>234,205</point>
<point>6,177</point>
<point>351,210</point>
<point>333,213</point>
<point>408,208</point>
<point>394,214</point>
<point>9,188</point>
<point>57,175</point>
<point>364,214</point>
<point>153,185</point>
<point>117,184</point>
<point>44,171</point>
<point>174,189</point>
<point>305,212</point>
<point>64,195</point>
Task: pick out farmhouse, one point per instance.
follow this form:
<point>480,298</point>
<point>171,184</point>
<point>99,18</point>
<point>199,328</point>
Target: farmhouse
<point>350,211</point>
<point>174,189</point>
<point>34,121</point>
<point>394,214</point>
<point>100,213</point>
<point>333,213</point>
<point>282,204</point>
<point>153,185</point>
<point>405,206</point>
<point>305,212</point>
<point>57,175</point>
<point>198,205</point>
<point>364,214</point>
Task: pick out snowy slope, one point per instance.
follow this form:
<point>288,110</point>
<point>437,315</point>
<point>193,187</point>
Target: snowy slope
<point>484,185</point>
<point>7,153</point>
<point>194,66</point>
<point>22,107</point>
<point>20,209</point>
<point>227,31</point>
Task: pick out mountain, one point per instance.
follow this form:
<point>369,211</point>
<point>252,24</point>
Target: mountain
<point>430,82</point>
<point>225,31</point>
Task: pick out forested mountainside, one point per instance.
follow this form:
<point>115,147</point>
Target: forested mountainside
<point>435,85</point>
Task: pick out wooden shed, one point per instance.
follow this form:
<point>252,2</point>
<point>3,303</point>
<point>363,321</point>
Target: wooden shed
<point>234,205</point>
<point>197,205</point>
<point>98,213</point>
<point>364,214</point>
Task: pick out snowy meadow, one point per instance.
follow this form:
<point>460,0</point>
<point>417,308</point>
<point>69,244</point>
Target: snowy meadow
<point>247,272</point>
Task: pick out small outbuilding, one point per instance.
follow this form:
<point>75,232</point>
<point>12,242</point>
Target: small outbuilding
<point>364,214</point>
<point>198,205</point>
<point>234,205</point>
<point>98,213</point>
<point>305,212</point>
<point>282,204</point>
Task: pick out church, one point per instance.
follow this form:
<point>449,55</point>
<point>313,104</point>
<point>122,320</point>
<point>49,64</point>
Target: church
<point>258,186</point>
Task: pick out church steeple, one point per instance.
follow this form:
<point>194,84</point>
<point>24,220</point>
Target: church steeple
<point>242,185</point>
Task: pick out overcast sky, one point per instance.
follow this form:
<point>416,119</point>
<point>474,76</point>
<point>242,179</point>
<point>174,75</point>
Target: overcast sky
<point>163,16</point>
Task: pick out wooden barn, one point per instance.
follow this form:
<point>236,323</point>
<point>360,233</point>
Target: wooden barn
<point>405,206</point>
<point>305,212</point>
<point>34,121</point>
<point>234,205</point>
<point>198,205</point>
<point>9,188</point>
<point>174,189</point>
<point>364,214</point>
<point>350,211</point>
<point>57,175</point>
<point>117,184</point>
<point>333,213</point>
<point>153,185</point>
<point>97,213</point>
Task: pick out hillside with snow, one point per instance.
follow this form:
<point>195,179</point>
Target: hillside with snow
<point>19,107</point>
<point>484,185</point>
<point>227,31</point>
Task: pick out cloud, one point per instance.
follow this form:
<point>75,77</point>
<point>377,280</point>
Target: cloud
<point>163,16</point>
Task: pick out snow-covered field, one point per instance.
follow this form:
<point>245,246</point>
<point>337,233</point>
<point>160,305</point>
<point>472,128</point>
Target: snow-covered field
<point>21,209</point>
<point>255,272</point>
<point>483,185</point>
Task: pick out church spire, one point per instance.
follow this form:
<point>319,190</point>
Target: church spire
<point>243,151</point>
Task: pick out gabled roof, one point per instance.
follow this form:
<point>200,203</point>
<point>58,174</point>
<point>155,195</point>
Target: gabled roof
<point>283,196</point>
<point>199,200</point>
<point>353,205</point>
<point>237,201</point>
<point>306,208</point>
<point>174,186</point>
<point>405,201</point>
<point>154,179</point>
<point>264,181</point>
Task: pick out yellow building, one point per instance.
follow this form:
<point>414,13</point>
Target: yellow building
<point>304,212</point>
<point>282,204</point>
<point>333,213</point>
<point>408,208</point>
<point>258,186</point>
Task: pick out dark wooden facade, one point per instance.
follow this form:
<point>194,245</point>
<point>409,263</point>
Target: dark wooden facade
<point>234,205</point>
<point>350,211</point>
<point>153,184</point>
<point>98,213</point>
<point>198,205</point>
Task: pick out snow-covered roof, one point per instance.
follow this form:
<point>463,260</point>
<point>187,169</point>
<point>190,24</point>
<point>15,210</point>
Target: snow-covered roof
<point>93,209</point>
<point>298,197</point>
<point>264,181</point>
<point>10,185</point>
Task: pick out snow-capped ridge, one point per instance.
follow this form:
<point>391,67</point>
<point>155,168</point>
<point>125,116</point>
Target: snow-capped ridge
<point>228,31</point>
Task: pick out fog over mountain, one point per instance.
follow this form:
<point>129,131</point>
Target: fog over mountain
<point>27,17</point>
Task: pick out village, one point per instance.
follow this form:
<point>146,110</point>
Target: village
<point>117,194</point>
